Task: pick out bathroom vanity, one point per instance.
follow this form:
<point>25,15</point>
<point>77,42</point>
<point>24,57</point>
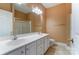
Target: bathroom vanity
<point>28,42</point>
<point>31,44</point>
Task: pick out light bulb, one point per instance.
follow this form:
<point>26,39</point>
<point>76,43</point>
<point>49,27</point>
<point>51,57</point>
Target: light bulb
<point>19,3</point>
<point>36,10</point>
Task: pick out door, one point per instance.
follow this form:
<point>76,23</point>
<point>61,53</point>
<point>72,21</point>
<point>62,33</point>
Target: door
<point>26,27</point>
<point>75,28</point>
<point>22,27</point>
<point>18,27</point>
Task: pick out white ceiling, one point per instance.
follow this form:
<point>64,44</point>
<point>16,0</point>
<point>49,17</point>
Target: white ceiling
<point>48,5</point>
<point>25,9</point>
<point>22,7</point>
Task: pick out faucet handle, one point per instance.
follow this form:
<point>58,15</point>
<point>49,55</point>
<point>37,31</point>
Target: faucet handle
<point>14,37</point>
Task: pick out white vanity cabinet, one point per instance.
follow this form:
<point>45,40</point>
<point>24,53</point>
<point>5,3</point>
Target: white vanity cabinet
<point>19,51</point>
<point>30,49</point>
<point>36,47</point>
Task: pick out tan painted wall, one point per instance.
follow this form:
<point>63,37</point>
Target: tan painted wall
<point>68,18</point>
<point>56,22</point>
<point>20,15</point>
<point>6,6</point>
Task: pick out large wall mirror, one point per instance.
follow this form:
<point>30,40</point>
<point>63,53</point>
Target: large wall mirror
<point>24,18</point>
<point>27,18</point>
<point>22,24</point>
<point>15,22</point>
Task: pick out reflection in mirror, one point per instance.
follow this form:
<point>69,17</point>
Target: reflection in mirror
<point>5,23</point>
<point>22,24</point>
<point>22,19</point>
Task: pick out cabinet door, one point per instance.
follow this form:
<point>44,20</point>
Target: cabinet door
<point>31,49</point>
<point>40,47</point>
<point>19,51</point>
<point>46,44</point>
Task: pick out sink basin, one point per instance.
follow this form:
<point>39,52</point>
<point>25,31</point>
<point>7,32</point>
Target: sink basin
<point>20,40</point>
<point>16,42</point>
<point>4,40</point>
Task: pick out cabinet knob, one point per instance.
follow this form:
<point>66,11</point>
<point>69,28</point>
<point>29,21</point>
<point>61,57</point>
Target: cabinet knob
<point>27,49</point>
<point>22,52</point>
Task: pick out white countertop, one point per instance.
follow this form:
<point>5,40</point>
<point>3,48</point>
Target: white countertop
<point>22,40</point>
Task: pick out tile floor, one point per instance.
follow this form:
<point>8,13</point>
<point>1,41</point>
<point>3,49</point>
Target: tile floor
<point>59,49</point>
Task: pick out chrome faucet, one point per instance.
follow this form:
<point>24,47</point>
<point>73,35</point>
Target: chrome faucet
<point>39,32</point>
<point>15,37</point>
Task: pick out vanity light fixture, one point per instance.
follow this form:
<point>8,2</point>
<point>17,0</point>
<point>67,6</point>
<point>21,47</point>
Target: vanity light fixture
<point>36,10</point>
<point>19,3</point>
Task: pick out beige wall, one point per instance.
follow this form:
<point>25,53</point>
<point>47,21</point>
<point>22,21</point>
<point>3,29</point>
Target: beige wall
<point>6,6</point>
<point>20,15</point>
<point>56,22</point>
